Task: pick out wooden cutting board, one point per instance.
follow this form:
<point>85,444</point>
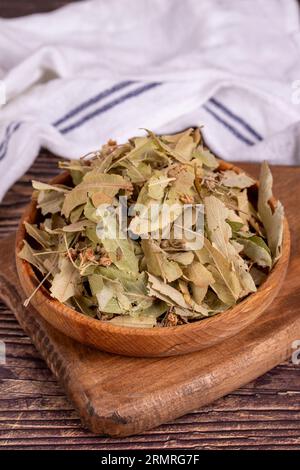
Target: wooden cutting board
<point>119,396</point>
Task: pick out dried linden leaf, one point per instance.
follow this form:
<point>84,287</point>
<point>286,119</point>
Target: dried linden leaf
<point>162,269</point>
<point>231,179</point>
<point>272,220</point>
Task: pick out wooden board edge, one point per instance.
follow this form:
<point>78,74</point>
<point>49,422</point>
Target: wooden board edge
<point>121,423</point>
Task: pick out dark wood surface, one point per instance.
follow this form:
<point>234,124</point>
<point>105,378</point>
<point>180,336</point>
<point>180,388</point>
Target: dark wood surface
<point>35,413</point>
<point>14,8</point>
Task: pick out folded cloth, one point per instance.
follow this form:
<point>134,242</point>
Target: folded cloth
<point>96,70</point>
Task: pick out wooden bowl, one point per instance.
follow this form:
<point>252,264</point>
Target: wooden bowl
<point>168,341</point>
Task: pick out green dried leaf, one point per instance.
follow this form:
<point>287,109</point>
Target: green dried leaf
<point>50,202</point>
<point>235,226</point>
<point>231,179</point>
<point>224,268</point>
<point>257,250</point>
<point>158,263</point>
<point>272,220</point>
<point>65,283</point>
<point>206,157</point>
<point>94,182</point>
<point>76,214</point>
<point>200,278</point>
<point>27,253</point>
<point>156,186</point>
<point>121,252</point>
<point>184,259</point>
<point>85,305</point>
<point>49,187</point>
<point>170,295</point>
<point>198,275</point>
<point>218,229</point>
<point>42,237</point>
<point>165,292</point>
<point>186,144</point>
<point>220,286</point>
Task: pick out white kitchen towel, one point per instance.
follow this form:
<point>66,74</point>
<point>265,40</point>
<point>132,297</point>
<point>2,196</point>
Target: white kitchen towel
<point>102,69</point>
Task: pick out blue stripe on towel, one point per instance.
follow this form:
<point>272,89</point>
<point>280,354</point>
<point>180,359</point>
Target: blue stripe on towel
<point>10,130</point>
<point>235,117</point>
<point>6,135</point>
<point>108,106</point>
<point>229,127</point>
<point>95,99</point>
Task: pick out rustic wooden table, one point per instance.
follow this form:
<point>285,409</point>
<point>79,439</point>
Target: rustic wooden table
<point>35,413</point>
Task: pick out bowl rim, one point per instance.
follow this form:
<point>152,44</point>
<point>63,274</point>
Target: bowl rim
<point>82,320</point>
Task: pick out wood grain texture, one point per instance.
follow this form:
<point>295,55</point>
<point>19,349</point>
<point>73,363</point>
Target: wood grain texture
<point>120,396</point>
<point>35,414</point>
<point>140,342</point>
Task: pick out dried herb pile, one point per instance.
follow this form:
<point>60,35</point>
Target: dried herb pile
<point>147,282</point>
